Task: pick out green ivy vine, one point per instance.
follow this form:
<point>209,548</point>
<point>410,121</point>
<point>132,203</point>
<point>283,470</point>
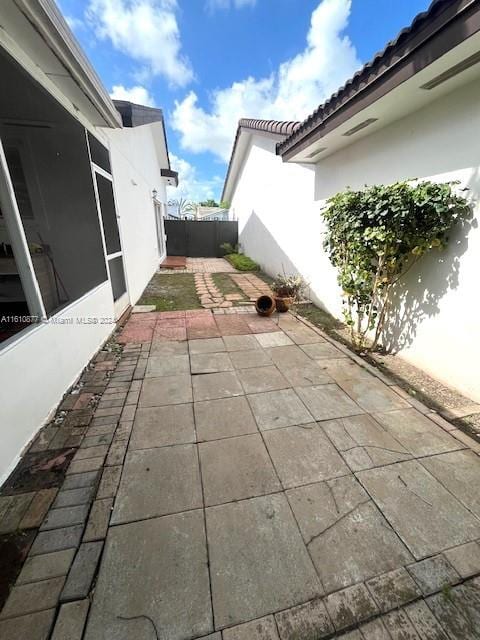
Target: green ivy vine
<point>374,236</point>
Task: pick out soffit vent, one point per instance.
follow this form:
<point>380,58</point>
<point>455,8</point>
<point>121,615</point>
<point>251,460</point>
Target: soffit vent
<point>452,72</point>
<point>360,126</point>
<point>316,152</point>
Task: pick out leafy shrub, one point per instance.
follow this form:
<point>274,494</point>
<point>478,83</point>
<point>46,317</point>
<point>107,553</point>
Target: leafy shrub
<point>374,236</point>
<point>228,248</point>
<point>242,262</point>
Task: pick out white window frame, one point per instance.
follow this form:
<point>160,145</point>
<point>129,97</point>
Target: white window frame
<point>122,303</point>
<point>14,225</point>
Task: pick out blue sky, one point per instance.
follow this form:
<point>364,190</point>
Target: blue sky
<point>207,63</point>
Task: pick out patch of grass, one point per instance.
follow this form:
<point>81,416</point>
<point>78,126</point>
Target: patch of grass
<point>242,262</point>
<point>225,283</point>
<point>322,319</point>
<point>171,292</point>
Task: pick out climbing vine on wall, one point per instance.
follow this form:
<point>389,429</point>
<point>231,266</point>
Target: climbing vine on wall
<point>374,236</point>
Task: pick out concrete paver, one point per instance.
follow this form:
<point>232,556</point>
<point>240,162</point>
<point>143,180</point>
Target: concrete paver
<point>303,455</point>
<point>250,359</point>
<point>321,350</point>
<point>207,345</point>
<point>223,418</point>
<point>328,401</point>
<point>167,390</point>
<point>346,534</point>
<point>45,566</point>
<point>308,621</point>
<point>425,515</point>
<point>274,339</point>
<point>171,366</point>
<point>210,363</point>
<point>262,379</point>
<point>36,626</point>
<point>459,473</point>
<point>275,409</point>
<point>465,559</point>
<point>261,629</point>
<point>236,468</point>
<point>212,386</point>
<point>157,482</point>
<point>306,375</point>
<point>417,433</point>
<point>363,443</point>
<point>163,426</point>
<point>241,343</point>
<point>288,356</point>
<point>251,481</point>
<point>433,574</point>
<point>372,395</point>
<point>258,561</point>
<point>151,571</point>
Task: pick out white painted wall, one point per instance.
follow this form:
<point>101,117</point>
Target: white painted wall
<point>39,365</point>
<point>136,172</point>
<point>278,206</point>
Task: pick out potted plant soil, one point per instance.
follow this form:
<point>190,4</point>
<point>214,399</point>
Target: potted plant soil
<point>287,290</point>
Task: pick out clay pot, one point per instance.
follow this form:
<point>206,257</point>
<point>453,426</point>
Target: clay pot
<point>265,305</point>
<point>283,303</point>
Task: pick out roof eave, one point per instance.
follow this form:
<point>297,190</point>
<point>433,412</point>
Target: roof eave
<point>170,176</point>
<point>378,78</point>
<point>49,23</point>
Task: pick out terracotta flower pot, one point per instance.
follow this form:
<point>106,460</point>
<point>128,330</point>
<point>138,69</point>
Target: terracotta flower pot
<point>265,305</point>
<point>283,303</point>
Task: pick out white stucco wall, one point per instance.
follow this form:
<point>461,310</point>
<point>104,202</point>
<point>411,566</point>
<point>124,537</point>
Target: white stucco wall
<point>41,363</point>
<point>278,205</point>
<point>136,173</point>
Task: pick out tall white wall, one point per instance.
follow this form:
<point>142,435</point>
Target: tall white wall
<point>436,323</point>
<point>41,363</point>
<point>136,172</point>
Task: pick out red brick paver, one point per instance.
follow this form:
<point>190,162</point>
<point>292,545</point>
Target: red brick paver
<point>198,323</point>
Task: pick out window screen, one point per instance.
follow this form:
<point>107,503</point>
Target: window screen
<point>109,215</point>
<point>99,154</point>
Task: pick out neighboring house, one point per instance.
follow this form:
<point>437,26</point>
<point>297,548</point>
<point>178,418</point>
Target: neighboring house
<point>210,213</point>
<point>196,212</point>
<point>82,196</point>
<point>413,112</point>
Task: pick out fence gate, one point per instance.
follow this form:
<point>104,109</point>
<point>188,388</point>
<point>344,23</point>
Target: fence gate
<point>199,238</point>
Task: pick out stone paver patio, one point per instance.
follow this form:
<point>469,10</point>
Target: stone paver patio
<point>244,478</point>
<point>205,265</point>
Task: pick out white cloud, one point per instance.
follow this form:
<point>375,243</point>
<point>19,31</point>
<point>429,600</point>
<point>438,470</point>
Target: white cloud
<point>226,4</point>
<point>146,31</point>
<point>297,87</point>
<point>137,94</point>
<point>75,24</point>
<point>190,186</point>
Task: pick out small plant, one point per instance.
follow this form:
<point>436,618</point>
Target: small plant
<point>376,235</point>
<point>242,262</point>
<point>288,286</point>
<point>229,248</point>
